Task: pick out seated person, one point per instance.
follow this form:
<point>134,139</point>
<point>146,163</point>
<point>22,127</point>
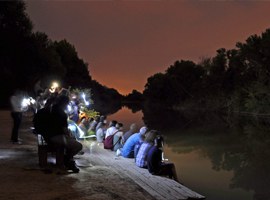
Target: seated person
<point>112,129</point>
<point>155,164</point>
<point>117,138</point>
<point>55,132</point>
<point>100,133</point>
<point>132,130</point>
<point>141,157</point>
<point>128,149</point>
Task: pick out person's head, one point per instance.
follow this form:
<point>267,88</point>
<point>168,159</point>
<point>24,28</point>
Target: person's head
<point>113,123</point>
<point>150,136</point>
<point>119,126</point>
<point>97,118</point>
<point>142,133</point>
<point>133,127</point>
<point>143,130</point>
<point>159,141</point>
<point>102,118</point>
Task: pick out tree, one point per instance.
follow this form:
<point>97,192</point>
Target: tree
<point>15,33</point>
<point>76,70</point>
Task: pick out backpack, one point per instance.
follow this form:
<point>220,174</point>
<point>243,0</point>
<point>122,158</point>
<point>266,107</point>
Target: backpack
<point>108,142</point>
<point>40,121</point>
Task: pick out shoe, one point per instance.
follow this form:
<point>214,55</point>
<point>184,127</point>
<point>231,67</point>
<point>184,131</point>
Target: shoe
<point>118,152</point>
<point>72,166</point>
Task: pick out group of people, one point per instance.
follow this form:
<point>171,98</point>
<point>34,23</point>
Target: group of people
<point>50,121</point>
<point>145,146</point>
<point>53,120</point>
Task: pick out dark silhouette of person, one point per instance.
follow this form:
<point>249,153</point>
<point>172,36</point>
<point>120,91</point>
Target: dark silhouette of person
<point>54,128</point>
<point>16,114</point>
<point>155,164</point>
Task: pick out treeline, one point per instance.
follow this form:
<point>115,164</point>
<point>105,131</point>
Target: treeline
<point>235,80</point>
<point>28,57</point>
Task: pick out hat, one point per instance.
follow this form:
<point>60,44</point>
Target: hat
<point>143,130</point>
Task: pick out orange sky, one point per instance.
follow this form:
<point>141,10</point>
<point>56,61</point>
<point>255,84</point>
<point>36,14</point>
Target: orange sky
<point>127,41</point>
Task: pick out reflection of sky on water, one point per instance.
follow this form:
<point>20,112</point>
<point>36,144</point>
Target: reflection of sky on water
<point>196,172</point>
<point>126,117</point>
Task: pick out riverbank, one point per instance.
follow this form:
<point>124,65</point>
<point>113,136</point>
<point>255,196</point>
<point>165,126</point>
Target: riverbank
<point>21,177</point>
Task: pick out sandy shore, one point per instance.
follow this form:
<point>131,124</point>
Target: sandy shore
<point>21,177</point>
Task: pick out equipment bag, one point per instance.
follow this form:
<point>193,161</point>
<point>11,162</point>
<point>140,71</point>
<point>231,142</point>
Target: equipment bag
<point>108,142</point>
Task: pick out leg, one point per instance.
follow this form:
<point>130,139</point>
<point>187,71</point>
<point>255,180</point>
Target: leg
<point>17,118</point>
<point>71,147</point>
<point>168,169</point>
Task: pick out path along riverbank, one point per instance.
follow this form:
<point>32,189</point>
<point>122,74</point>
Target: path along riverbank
<point>21,177</point>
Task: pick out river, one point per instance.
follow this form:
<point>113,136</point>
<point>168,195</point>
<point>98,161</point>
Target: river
<point>221,158</point>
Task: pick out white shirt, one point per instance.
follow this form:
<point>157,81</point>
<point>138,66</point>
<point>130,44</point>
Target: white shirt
<point>110,131</point>
<point>16,103</point>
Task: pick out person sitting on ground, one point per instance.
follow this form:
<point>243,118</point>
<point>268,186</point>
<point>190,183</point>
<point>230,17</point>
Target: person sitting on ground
<point>83,125</point>
<point>93,125</point>
<point>57,133</point>
<point>100,133</point>
<point>112,129</point>
<point>102,119</point>
<point>128,149</point>
<point>74,110</point>
<point>155,164</point>
<point>141,157</point>
<point>132,130</point>
<point>117,138</point>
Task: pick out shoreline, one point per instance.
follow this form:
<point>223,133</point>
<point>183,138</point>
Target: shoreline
<point>22,178</point>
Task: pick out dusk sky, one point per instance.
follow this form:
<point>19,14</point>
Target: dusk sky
<point>124,42</point>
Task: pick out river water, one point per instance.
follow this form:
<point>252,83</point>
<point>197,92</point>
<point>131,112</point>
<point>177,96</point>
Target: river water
<point>219,157</point>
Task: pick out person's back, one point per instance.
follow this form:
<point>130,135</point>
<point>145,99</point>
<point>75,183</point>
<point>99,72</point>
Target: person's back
<point>154,161</point>
<point>100,133</point>
<point>131,131</point>
<point>112,129</point>
<point>41,122</point>
<point>58,121</point>
<point>141,158</point>
<point>128,148</point>
<point>141,155</point>
<point>154,158</point>
<point>117,138</point>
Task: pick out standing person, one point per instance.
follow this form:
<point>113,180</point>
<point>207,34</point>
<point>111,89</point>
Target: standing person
<point>132,130</point>
<point>16,114</point>
<point>155,164</point>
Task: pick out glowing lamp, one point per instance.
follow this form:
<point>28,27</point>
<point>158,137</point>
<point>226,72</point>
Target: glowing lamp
<point>25,102</point>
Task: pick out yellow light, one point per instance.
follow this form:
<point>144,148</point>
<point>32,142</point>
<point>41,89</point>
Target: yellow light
<point>55,85</point>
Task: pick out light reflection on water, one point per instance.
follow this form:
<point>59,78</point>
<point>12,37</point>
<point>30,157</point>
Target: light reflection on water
<point>213,164</point>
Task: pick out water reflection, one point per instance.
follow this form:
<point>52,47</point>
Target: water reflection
<point>233,152</point>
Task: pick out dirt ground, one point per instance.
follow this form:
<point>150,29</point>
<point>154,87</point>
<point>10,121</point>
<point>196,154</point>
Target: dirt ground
<point>21,177</point>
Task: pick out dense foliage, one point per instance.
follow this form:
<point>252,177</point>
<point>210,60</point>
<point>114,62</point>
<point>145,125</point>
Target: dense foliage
<point>234,80</point>
<point>29,57</point>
